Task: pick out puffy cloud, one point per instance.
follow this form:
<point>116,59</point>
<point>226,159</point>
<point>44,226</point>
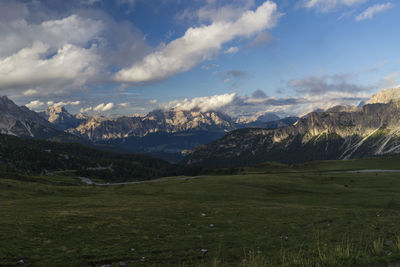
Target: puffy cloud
<point>73,29</point>
<point>55,51</point>
<point>35,104</point>
<point>198,44</point>
<point>329,5</point>
<point>104,107</point>
<point>203,104</point>
<point>30,66</point>
<point>52,54</point>
<point>62,103</point>
<point>85,110</point>
<point>370,12</point>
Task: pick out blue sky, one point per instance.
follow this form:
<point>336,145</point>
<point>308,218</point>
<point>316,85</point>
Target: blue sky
<point>244,57</point>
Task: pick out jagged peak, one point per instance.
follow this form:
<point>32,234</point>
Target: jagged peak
<point>385,96</point>
<point>56,109</point>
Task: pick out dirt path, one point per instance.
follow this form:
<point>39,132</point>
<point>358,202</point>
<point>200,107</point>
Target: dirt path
<point>90,182</point>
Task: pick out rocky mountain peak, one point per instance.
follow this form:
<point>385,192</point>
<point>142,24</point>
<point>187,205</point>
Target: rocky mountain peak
<point>56,109</point>
<point>385,96</point>
<point>21,121</point>
<point>60,117</point>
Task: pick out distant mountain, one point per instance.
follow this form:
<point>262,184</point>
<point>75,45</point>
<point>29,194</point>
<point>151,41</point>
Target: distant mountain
<point>61,118</point>
<point>168,134</point>
<point>21,121</point>
<point>338,133</point>
<point>385,96</point>
<point>169,121</point>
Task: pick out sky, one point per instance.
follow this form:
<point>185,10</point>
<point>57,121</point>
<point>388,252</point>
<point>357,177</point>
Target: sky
<point>242,57</point>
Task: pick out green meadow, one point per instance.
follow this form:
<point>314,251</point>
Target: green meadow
<point>313,214</point>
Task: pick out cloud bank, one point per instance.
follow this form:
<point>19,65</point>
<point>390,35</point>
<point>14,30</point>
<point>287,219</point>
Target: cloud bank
<point>53,53</point>
<point>50,54</point>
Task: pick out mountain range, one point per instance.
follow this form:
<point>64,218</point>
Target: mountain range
<point>341,132</point>
<point>214,139</point>
<point>168,134</point>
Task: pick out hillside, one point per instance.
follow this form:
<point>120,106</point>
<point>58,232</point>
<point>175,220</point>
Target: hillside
<point>43,157</point>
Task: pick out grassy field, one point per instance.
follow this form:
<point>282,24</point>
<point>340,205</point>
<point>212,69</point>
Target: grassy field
<point>314,214</point>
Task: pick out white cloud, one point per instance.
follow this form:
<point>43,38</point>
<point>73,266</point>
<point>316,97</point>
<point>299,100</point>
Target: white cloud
<point>62,103</point>
<point>153,101</point>
<point>27,67</point>
<point>104,107</point>
<point>57,52</point>
<point>35,104</point>
<point>232,50</point>
<point>329,5</point>
<point>203,104</point>
<point>198,44</point>
<point>85,110</point>
<point>370,12</point>
<point>51,54</point>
